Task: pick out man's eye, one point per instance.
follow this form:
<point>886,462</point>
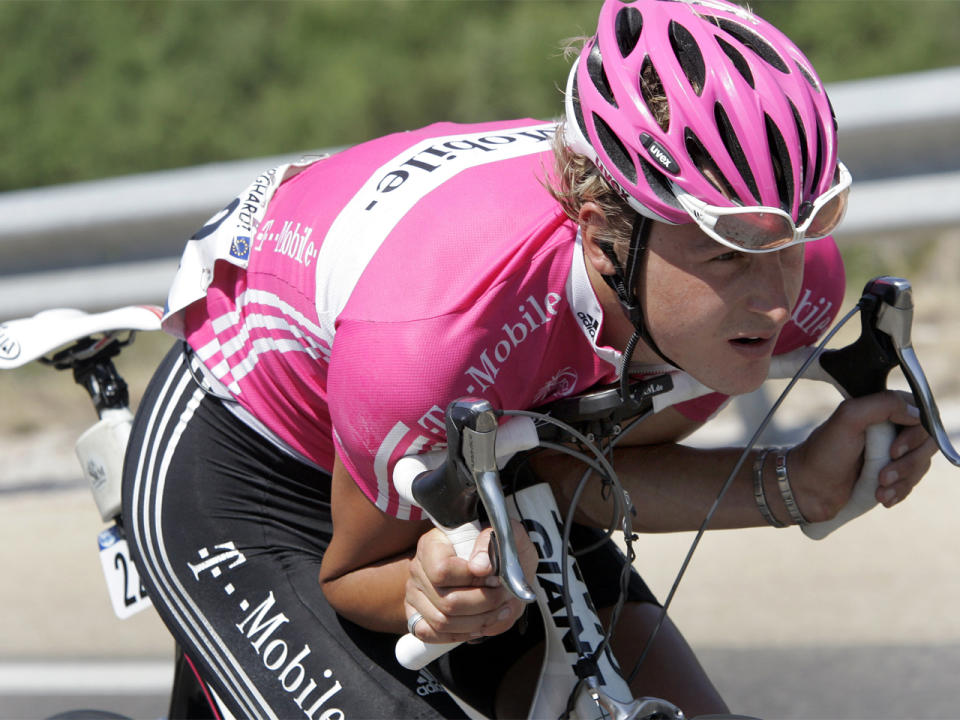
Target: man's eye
<point>727,256</point>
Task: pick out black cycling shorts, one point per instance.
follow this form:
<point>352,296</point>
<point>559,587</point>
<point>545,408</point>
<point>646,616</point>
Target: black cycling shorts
<point>228,531</point>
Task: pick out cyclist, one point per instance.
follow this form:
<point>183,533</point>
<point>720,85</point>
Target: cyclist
<point>677,220</point>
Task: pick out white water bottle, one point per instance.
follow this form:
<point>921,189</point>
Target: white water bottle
<point>100,451</point>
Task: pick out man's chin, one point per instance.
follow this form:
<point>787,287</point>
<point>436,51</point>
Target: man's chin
<point>740,383</point>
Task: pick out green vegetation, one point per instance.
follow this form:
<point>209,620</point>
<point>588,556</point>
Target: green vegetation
<point>94,88</point>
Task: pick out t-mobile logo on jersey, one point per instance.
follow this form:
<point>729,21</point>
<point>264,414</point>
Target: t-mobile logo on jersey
<point>812,317</point>
<point>452,154</point>
<point>291,240</point>
<point>533,315</point>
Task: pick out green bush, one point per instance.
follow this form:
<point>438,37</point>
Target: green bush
<point>95,88</point>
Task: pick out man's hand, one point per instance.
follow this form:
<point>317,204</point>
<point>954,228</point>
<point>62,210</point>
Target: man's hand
<point>462,600</point>
<point>824,468</point>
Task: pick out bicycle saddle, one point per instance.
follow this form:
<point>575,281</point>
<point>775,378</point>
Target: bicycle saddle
<point>27,339</point>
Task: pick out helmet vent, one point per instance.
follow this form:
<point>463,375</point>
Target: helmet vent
<point>738,60</point>
<point>818,165</point>
<point>599,75</point>
<point>688,55</point>
<point>651,89</point>
<point>578,108</point>
<point>615,149</point>
<point>753,41</point>
<point>804,169</point>
<point>833,113</point>
<point>782,170</point>
<point>659,184</point>
<point>628,25</point>
<point>808,76</point>
<point>707,166</point>
<point>735,150</point>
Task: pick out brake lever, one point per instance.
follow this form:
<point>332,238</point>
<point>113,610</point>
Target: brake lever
<point>445,486</point>
<point>895,317</point>
<point>886,307</point>
<point>861,368</point>
<point>476,422</point>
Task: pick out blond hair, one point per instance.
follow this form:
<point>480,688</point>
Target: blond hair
<point>576,181</point>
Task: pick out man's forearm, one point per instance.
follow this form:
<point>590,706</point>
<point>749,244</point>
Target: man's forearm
<point>671,487</point>
<point>371,596</point>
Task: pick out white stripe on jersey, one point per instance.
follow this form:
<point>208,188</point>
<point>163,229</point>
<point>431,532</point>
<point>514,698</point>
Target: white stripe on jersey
<point>380,464</point>
<point>230,319</point>
<point>272,300</point>
<point>232,376</point>
<point>392,191</point>
<point>305,342</point>
<point>242,337</point>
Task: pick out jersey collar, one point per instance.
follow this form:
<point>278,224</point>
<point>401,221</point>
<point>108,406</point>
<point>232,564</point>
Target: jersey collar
<point>586,307</point>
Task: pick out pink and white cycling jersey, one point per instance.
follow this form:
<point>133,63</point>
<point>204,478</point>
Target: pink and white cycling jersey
<point>365,291</point>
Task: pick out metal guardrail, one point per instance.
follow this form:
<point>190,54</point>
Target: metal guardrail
<point>107,242</point>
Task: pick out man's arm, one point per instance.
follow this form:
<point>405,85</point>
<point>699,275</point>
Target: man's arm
<point>379,570</point>
<point>672,486</point>
<point>365,568</point>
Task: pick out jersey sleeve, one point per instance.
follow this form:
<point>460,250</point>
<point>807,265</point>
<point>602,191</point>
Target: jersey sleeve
<point>387,386</point>
<point>821,295</point>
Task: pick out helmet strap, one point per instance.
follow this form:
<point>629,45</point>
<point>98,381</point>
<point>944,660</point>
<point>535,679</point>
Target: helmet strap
<point>624,282</point>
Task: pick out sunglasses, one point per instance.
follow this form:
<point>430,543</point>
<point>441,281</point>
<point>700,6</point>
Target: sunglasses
<point>763,229</point>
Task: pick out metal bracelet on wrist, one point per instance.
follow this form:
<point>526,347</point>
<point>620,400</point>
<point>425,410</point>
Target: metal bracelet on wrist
<point>758,492</point>
<point>783,481</point>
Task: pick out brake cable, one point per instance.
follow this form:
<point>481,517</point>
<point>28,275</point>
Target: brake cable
<point>729,481</point>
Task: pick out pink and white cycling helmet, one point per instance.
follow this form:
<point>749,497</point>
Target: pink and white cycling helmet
<point>750,125</point>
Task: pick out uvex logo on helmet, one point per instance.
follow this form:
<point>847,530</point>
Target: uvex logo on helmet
<point>659,155</point>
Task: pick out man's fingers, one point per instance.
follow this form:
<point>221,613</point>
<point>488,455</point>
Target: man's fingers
<point>888,406</point>
<point>906,414</point>
<point>439,627</point>
<point>898,479</point>
<point>480,563</point>
<point>436,563</point>
<point>907,440</point>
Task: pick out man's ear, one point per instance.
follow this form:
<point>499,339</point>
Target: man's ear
<point>592,221</point>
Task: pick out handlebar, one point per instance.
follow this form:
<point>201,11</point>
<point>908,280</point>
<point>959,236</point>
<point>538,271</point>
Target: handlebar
<point>861,368</point>
<point>447,484</point>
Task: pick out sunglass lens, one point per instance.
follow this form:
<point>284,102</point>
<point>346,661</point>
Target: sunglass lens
<point>829,216</point>
<point>755,230</point>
